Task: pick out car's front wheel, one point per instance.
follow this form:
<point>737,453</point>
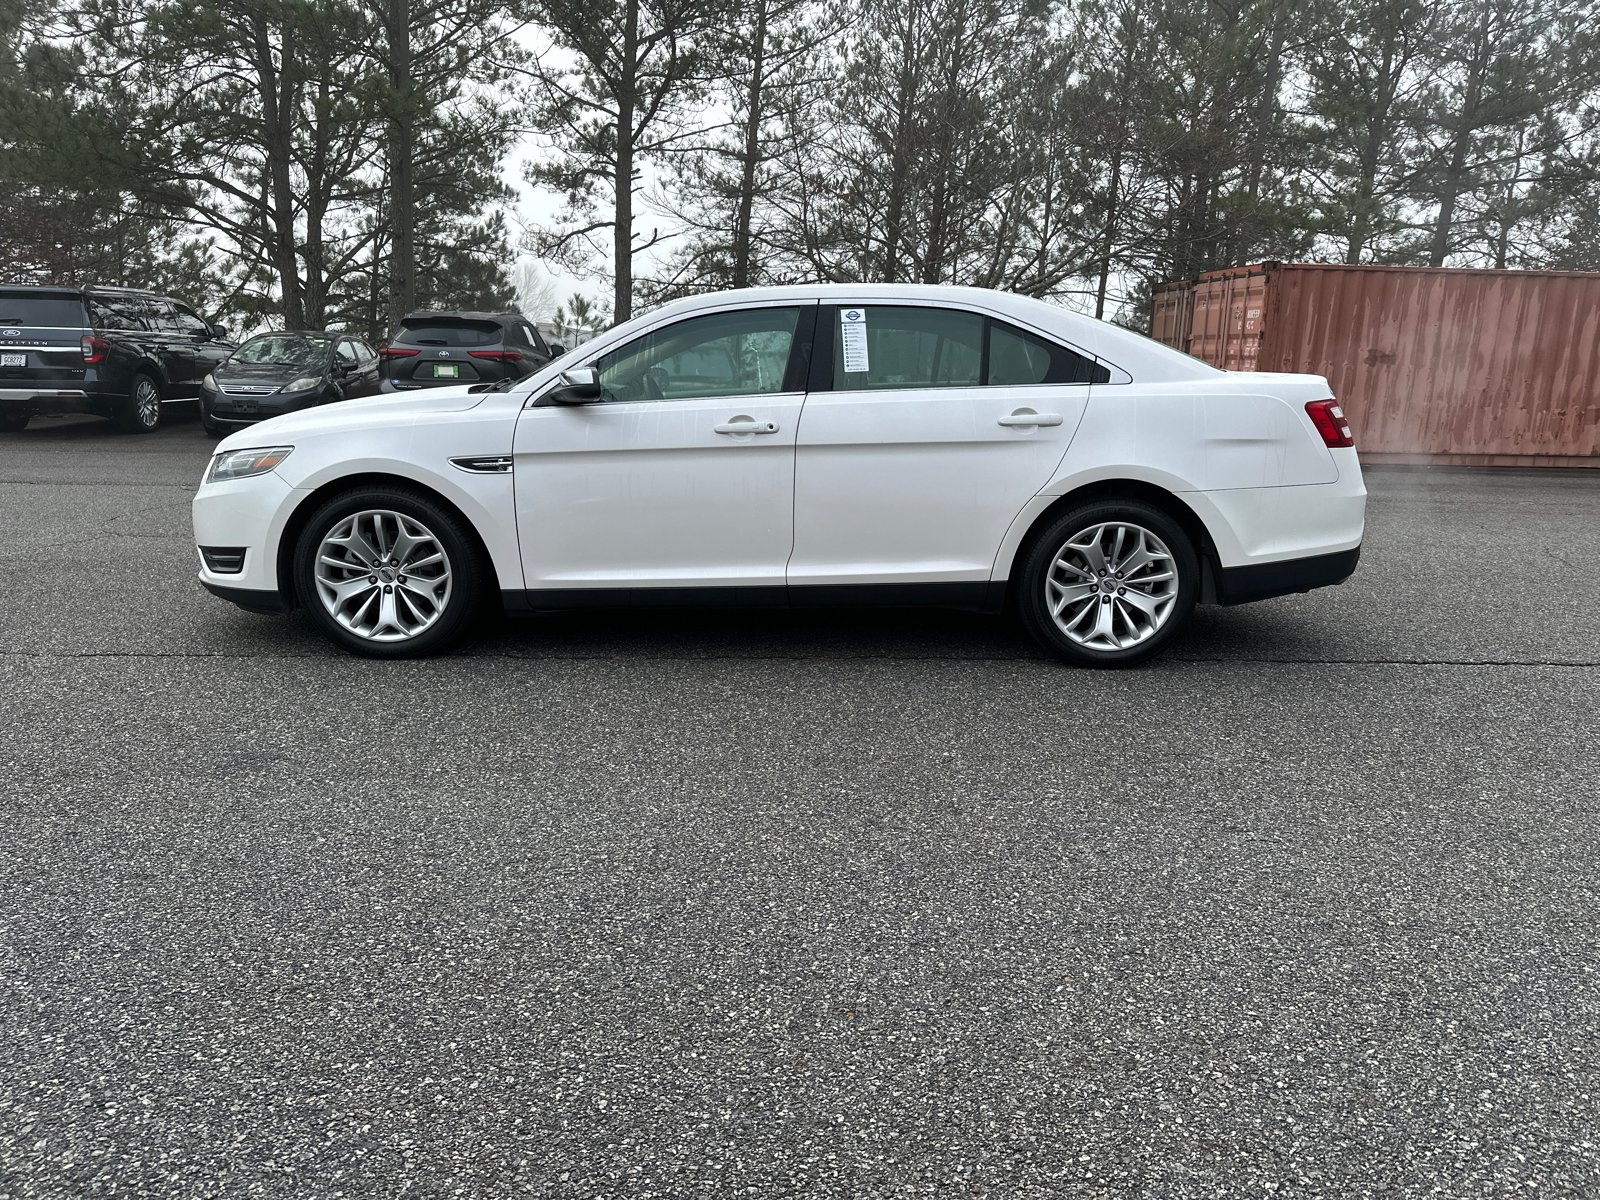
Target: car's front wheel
<point>1110,583</point>
<point>388,573</point>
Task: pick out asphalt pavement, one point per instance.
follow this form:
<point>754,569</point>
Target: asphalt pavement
<point>870,904</point>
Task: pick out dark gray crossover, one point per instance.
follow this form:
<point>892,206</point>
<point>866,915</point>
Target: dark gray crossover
<point>449,349</point>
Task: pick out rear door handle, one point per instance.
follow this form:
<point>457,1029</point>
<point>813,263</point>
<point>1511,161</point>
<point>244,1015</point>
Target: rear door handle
<point>1025,416</point>
<point>747,426</point>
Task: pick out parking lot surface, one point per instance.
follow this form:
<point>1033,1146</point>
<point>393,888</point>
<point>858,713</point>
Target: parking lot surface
<point>802,905</point>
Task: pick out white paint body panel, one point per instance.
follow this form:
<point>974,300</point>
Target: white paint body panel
<point>919,486</point>
<point>649,494</point>
<point>883,486</point>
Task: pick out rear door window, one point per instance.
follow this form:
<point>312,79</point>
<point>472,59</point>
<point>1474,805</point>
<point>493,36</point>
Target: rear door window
<point>883,346</point>
<point>160,317</point>
<point>448,331</point>
<point>41,311</point>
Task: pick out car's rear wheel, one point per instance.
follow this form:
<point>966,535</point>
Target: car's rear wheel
<point>1109,584</point>
<point>388,573</point>
<point>14,422</point>
<point>141,411</point>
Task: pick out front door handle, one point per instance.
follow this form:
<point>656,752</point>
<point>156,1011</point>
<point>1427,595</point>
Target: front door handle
<point>1027,417</point>
<point>747,426</point>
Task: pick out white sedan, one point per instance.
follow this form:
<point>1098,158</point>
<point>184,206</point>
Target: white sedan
<point>815,445</point>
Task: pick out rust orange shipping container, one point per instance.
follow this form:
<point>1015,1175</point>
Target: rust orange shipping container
<point>1433,365</point>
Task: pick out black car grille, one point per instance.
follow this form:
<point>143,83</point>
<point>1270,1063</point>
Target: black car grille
<point>223,560</point>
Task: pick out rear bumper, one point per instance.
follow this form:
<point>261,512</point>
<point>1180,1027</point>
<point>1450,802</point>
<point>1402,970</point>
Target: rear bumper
<point>56,400</point>
<point>1242,585</point>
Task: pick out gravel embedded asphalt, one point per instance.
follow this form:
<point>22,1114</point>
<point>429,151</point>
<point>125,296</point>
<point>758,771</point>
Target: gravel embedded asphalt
<point>798,905</point>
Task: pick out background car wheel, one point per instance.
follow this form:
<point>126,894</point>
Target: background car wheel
<point>14,422</point>
<point>388,573</point>
<point>141,411</point>
<point>1109,584</point>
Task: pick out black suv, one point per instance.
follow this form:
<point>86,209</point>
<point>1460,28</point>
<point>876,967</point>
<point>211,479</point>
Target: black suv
<point>115,352</point>
<point>451,349</point>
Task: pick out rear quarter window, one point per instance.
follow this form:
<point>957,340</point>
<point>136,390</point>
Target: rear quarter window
<point>447,331</point>
<point>41,312</point>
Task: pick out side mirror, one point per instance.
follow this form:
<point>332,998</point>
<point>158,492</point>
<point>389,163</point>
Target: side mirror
<point>219,332</point>
<point>556,350</point>
<point>581,385</point>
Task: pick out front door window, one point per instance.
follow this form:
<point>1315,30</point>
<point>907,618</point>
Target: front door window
<point>724,354</point>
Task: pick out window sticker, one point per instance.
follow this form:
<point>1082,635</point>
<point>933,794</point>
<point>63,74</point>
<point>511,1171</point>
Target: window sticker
<point>853,328</point>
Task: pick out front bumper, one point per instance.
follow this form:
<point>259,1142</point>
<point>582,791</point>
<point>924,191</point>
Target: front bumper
<point>247,513</point>
<point>247,598</point>
<point>223,409</point>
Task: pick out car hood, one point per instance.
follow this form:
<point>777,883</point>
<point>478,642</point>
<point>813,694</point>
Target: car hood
<point>368,411</point>
<point>278,373</point>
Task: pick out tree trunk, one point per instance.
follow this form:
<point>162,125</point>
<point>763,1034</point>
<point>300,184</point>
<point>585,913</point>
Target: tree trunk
<point>313,251</point>
<point>1111,227</point>
<point>899,152</point>
<point>752,148</point>
<point>402,153</point>
<point>627,108</point>
<point>276,91</point>
<point>1456,173</point>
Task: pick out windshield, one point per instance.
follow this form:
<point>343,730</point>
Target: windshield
<point>284,349</point>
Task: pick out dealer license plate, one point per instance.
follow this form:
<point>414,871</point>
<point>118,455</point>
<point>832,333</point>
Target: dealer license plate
<point>13,360</point>
<point>446,371</point>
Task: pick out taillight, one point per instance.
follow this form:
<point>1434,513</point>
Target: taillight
<point>392,352</point>
<point>507,355</point>
<point>1329,419</point>
<point>94,349</point>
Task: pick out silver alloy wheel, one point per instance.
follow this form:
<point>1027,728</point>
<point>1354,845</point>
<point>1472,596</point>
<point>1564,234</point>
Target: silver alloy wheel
<point>147,403</point>
<point>383,575</point>
<point>1112,586</point>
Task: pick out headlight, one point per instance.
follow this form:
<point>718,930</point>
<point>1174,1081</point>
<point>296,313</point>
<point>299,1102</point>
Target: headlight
<point>241,464</point>
<point>209,383</point>
<point>303,383</point>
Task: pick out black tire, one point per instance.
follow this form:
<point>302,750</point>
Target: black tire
<point>468,574</point>
<point>1139,630</point>
<point>141,411</point>
<point>14,422</point>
